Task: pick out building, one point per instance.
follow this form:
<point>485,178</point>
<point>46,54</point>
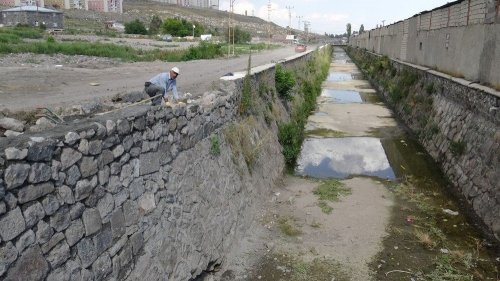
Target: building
<point>32,15</point>
<point>15,3</point>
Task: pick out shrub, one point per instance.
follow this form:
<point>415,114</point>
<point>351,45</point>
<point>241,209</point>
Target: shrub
<point>135,27</point>
<point>284,80</point>
<point>51,39</point>
<point>203,51</point>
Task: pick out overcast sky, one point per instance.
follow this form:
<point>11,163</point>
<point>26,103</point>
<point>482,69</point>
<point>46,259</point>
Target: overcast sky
<point>331,16</point>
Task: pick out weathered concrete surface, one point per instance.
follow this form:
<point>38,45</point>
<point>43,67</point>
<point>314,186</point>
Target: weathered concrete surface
<point>458,124</point>
<point>444,39</point>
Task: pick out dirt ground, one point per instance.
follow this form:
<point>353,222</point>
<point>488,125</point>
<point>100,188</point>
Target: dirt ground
<point>347,239</point>
<point>28,81</point>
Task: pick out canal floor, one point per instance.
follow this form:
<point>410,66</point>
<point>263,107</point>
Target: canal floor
<point>367,202</point>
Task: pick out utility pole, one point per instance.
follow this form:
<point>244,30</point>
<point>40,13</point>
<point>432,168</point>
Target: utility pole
<point>232,11</point>
<point>290,18</point>
<point>383,23</point>
<point>306,29</point>
<point>269,21</point>
<point>299,17</point>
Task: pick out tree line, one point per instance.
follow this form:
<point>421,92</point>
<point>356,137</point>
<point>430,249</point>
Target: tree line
<point>181,28</point>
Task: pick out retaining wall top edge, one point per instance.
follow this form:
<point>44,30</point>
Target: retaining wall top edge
<point>439,74</point>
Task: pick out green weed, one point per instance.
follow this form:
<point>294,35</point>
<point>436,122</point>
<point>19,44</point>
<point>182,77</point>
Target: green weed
<point>285,81</point>
<point>325,208</point>
<point>331,190</point>
<point>287,228</point>
<point>214,145</point>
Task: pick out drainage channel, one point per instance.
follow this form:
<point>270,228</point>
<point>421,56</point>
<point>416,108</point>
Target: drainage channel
<point>394,222</point>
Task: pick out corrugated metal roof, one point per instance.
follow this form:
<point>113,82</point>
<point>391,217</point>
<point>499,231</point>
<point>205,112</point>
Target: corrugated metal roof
<point>30,9</point>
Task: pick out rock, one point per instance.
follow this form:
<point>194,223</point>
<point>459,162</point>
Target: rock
<point>59,254</point>
<point>50,204</point>
<point>74,232</point>
<point>137,242</point>
<point>66,195</point>
<point>15,175</point>
<point>8,254</point>
<point>83,189</point>
<point>39,172</point>
<point>11,124</point>
<point>110,127</point>
<point>69,157</point>
<point>76,210</point>
<point>41,150</point>
<point>43,232</point>
<point>102,267</point>
<point>92,221</point>
<point>32,192</point>
<point>95,147</point>
<point>146,203</point>
<point>30,266</point>
<point>61,219</point>
<point>83,147</point>
<point>117,221</point>
<point>88,167</point>
<point>71,138</point>
<point>42,124</point>
<point>130,212</point>
<point>13,153</point>
<point>12,224</point>
<point>86,252</point>
<point>106,205</point>
<point>25,240</point>
<point>102,240</point>
<point>123,127</point>
<point>73,175</point>
<point>33,214</point>
<point>10,133</point>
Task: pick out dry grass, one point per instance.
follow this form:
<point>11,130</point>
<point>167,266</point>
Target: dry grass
<point>425,239</point>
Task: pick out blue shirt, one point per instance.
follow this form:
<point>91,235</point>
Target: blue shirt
<point>163,80</point>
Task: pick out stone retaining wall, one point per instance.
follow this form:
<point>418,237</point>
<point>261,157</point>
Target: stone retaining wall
<point>133,195</point>
<point>458,123</point>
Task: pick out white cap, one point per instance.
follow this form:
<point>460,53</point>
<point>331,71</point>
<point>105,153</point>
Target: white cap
<point>175,69</point>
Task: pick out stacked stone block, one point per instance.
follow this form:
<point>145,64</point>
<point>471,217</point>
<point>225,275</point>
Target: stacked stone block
<point>131,195</point>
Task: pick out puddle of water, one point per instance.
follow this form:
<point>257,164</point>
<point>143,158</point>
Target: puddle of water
<point>320,113</point>
<point>342,96</point>
<point>343,158</point>
<point>339,76</point>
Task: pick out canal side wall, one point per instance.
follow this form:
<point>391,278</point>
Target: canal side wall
<point>458,123</point>
<point>151,193</point>
<point>459,38</point>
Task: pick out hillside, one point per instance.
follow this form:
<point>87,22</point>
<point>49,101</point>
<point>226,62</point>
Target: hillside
<point>212,19</point>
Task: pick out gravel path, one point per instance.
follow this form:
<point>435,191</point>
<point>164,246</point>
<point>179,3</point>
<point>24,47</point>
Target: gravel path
<point>28,81</point>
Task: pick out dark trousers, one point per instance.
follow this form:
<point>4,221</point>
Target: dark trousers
<point>154,90</point>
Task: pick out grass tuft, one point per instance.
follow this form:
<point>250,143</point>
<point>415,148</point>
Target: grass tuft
<point>331,190</point>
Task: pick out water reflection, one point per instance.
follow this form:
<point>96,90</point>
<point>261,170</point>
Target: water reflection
<point>339,76</point>
<point>342,96</point>
<point>344,157</point>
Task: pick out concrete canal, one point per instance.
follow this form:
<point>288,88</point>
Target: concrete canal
<point>367,203</point>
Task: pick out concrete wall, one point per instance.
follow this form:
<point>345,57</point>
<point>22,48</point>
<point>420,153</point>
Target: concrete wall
<point>459,39</point>
<point>135,195</point>
<point>456,112</point>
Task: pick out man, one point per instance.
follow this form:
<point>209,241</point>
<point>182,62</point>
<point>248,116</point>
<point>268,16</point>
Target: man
<point>161,84</point>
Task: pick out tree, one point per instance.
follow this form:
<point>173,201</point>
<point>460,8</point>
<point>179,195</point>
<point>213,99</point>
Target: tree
<point>348,27</point>
<point>135,27</point>
<point>361,29</point>
<point>154,25</point>
<point>182,28</point>
<point>240,36</point>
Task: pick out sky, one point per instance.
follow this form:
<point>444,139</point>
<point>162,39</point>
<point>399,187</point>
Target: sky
<point>331,16</point>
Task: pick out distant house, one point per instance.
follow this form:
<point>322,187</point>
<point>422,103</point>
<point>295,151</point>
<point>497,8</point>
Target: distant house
<point>32,15</point>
